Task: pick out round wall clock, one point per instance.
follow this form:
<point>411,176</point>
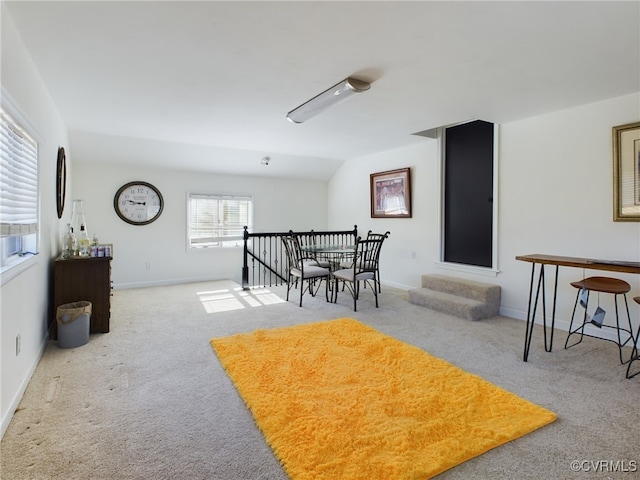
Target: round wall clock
<point>61,181</point>
<point>138,203</point>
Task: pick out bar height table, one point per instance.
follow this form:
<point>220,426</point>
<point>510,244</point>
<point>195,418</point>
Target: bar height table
<point>558,261</point>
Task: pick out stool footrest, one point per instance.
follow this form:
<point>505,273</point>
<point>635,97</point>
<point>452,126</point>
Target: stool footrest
<point>615,287</point>
<point>578,331</point>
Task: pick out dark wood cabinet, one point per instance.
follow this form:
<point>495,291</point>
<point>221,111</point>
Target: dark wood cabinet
<point>83,279</point>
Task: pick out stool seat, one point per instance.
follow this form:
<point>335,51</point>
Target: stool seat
<point>636,299</point>
<point>616,287</point>
<point>605,285</point>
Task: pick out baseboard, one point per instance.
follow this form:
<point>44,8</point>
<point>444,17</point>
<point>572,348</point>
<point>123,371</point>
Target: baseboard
<point>166,282</point>
<point>399,286</point>
<point>15,401</point>
<point>513,313</point>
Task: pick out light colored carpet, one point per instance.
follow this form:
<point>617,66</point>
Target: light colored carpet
<point>337,400</point>
<point>149,400</point>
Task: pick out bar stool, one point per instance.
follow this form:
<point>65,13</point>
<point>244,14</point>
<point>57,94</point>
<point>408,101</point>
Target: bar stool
<point>634,354</point>
<point>613,286</point>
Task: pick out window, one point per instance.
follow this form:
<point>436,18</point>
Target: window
<point>218,220</point>
<point>18,192</point>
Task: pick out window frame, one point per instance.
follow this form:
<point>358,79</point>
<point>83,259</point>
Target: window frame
<point>11,265</point>
<point>216,243</point>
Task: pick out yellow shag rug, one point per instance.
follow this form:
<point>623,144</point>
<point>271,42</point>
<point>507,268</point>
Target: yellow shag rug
<point>340,400</point>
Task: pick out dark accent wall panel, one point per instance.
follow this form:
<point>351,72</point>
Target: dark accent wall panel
<point>468,184</point>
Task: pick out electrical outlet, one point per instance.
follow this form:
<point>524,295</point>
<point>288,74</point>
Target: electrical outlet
<point>147,265</point>
<point>18,344</point>
<point>413,254</point>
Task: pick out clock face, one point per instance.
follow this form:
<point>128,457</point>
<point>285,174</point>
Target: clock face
<point>138,203</point>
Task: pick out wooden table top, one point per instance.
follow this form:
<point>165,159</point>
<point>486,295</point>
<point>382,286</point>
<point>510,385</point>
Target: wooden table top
<point>590,263</point>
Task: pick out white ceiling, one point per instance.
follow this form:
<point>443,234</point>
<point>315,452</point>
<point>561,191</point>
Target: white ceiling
<point>213,81</point>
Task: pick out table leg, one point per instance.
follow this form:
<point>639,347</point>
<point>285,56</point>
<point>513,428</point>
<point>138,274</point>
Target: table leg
<point>530,316</point>
<point>533,306</point>
<point>553,315</point>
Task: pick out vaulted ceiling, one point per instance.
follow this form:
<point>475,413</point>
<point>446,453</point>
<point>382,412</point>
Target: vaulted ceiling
<point>206,85</point>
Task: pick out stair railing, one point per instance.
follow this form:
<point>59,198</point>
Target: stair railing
<point>265,259</point>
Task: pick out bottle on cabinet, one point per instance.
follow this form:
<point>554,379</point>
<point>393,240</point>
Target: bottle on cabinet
<point>94,246</point>
<point>69,243</point>
<point>84,243</point>
<point>78,217</point>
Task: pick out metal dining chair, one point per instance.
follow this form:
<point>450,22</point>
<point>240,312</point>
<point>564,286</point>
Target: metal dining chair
<point>363,270</point>
<point>308,240</point>
<point>348,262</point>
<point>381,237</point>
<point>304,270</point>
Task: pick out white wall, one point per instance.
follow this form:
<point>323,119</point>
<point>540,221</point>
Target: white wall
<point>280,205</point>
<point>349,203</point>
<point>556,183</point>
<point>25,298</point>
<point>555,196</point>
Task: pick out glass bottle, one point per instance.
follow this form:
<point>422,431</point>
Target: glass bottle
<point>94,247</point>
<point>84,243</point>
<point>78,217</point>
<point>69,243</point>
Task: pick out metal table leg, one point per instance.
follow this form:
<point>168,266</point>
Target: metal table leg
<point>533,306</point>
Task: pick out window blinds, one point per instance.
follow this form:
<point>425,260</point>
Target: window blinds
<point>215,218</point>
<point>18,179</point>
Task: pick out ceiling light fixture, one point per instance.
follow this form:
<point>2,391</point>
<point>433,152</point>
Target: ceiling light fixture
<point>339,92</point>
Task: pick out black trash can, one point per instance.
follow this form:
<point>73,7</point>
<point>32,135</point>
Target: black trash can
<point>73,324</point>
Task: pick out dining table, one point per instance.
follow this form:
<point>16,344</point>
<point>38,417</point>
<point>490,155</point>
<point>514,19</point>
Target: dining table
<point>335,254</point>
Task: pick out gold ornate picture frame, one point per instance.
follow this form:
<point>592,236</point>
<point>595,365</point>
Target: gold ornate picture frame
<point>626,173</point>
<point>391,194</point>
